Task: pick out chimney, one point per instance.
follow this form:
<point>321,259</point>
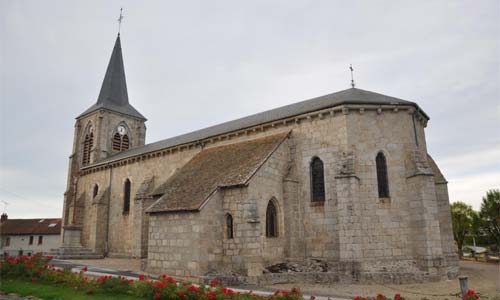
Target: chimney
<point>4,217</point>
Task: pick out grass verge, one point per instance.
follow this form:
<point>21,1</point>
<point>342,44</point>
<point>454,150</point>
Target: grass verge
<point>54,291</point>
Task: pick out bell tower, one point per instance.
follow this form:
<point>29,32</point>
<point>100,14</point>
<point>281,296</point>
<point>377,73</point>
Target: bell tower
<point>110,126</point>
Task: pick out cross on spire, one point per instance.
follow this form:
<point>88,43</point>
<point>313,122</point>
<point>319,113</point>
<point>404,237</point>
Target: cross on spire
<point>352,76</point>
<point>120,19</point>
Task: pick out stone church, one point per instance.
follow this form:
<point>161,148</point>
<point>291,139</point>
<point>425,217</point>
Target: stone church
<point>342,182</point>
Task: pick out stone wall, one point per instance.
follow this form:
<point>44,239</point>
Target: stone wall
<point>250,250</point>
<point>187,244</point>
<point>352,226</point>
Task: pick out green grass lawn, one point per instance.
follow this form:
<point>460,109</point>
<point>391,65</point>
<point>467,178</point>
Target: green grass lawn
<point>54,291</point>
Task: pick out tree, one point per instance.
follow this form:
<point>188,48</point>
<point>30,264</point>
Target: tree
<point>462,218</point>
<point>490,215</point>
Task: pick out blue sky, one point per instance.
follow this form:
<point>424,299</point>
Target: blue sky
<point>192,64</point>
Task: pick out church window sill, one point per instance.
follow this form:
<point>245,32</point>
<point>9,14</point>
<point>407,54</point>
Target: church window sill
<point>384,200</point>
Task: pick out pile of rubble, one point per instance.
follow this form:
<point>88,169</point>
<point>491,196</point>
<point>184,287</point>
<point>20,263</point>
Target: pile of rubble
<point>310,266</point>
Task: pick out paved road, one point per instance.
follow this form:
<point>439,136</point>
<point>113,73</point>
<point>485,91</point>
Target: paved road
<point>93,270</point>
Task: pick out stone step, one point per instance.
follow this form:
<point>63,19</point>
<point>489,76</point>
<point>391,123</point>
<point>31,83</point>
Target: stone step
<point>74,253</point>
<point>74,250</point>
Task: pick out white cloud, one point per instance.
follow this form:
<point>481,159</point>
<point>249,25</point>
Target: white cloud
<point>476,162</point>
<point>471,189</point>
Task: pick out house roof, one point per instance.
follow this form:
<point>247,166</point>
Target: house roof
<point>213,168</point>
<point>349,96</point>
<point>114,95</point>
<point>30,226</point>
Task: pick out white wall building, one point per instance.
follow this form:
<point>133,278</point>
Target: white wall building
<point>29,236</point>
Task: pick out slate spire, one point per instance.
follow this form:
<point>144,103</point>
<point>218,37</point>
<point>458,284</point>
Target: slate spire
<point>113,95</point>
<point>114,85</point>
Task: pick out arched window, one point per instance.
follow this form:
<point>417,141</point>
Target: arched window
<point>229,226</point>
<point>95,191</point>
<point>382,179</point>
<point>88,143</point>
<point>271,220</point>
<point>121,140</point>
<point>317,180</point>
<point>126,196</point>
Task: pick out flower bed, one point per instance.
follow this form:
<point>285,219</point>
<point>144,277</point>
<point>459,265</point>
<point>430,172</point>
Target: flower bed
<point>37,268</point>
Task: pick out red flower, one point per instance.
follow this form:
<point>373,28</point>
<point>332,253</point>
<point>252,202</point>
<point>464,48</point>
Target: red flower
<point>85,269</point>
<point>157,295</point>
<point>193,289</point>
<point>295,290</point>
<point>181,294</point>
<point>142,277</point>
<point>215,282</point>
<point>227,291</point>
<point>397,297</point>
<point>34,279</point>
<point>211,295</point>
<point>471,294</point>
<point>380,296</point>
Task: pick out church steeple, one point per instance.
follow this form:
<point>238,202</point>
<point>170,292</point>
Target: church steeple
<point>113,95</point>
<point>114,85</point>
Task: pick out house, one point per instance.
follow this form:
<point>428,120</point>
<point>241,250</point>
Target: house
<point>28,236</point>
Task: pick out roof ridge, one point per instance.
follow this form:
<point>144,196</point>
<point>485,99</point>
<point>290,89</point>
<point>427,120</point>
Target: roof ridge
<point>347,96</point>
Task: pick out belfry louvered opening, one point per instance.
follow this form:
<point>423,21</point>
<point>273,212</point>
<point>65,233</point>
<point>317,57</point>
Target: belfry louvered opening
<point>88,143</point>
<point>120,142</point>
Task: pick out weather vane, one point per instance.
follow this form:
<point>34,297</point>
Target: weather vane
<point>352,76</point>
<point>120,19</point>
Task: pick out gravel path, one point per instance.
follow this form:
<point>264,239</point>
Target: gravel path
<point>118,264</point>
<point>484,278</point>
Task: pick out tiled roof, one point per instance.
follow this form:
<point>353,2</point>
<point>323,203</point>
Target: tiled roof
<point>349,96</point>
<point>213,168</point>
<point>30,226</point>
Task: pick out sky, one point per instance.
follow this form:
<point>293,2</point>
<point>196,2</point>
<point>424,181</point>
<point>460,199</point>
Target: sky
<point>191,64</point>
